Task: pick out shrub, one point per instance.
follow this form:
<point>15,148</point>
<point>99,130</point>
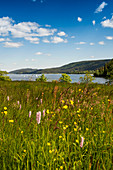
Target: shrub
<point>42,78</point>
<point>65,78</point>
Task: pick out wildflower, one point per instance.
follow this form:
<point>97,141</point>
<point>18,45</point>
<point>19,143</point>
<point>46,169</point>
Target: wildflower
<point>48,144</point>
<point>5,108</point>
<point>79,89</point>
<point>38,117</point>
<point>77,141</point>
<point>78,101</point>
<point>50,151</point>
<point>61,167</point>
<point>41,101</point>
<point>60,137</point>
<point>72,102</point>
<point>36,98</point>
<point>44,112</point>
<point>60,122</point>
<point>24,150</point>
<point>103,131</point>
<point>62,101</point>
<point>75,123</point>
<point>47,111</point>
<point>64,128</point>
<point>5,112</point>
<point>87,129</point>
<point>82,141</point>
<point>54,159</point>
<point>29,113</point>
<point>108,100</point>
<point>20,106</point>
<point>11,121</point>
<point>7,98</point>
<point>78,115</point>
<point>75,129</point>
<point>18,102</point>
<point>21,131</point>
<point>65,107</point>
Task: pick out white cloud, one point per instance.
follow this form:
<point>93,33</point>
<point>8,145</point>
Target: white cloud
<point>79,19</point>
<point>58,40</point>
<point>38,53</point>
<point>32,40</point>
<point>93,22</point>
<point>12,44</point>
<point>101,7</point>
<point>104,18</point>
<point>108,23</point>
<point>72,36</point>
<point>61,33</point>
<point>77,48</point>
<point>81,43</point>
<point>109,37</point>
<point>101,43</point>
<point>46,41</point>
<point>47,25</point>
<point>2,39</point>
<point>92,44</point>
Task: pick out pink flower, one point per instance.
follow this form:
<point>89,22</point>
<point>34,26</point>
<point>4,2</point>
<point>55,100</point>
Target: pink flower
<point>18,102</point>
<point>37,98</point>
<point>41,101</point>
<point>29,113</point>
<point>38,117</point>
<point>44,112</point>
<point>82,141</point>
<point>7,98</point>
<point>20,106</point>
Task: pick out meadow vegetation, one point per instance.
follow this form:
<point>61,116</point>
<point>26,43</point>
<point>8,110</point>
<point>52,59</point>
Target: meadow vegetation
<point>55,126</point>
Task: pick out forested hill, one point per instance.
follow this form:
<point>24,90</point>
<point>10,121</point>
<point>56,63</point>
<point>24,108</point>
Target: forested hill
<point>75,67</point>
<point>105,71</point>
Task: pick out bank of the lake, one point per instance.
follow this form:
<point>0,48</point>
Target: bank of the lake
<point>50,77</point>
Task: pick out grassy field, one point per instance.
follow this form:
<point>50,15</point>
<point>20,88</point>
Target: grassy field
<point>73,132</point>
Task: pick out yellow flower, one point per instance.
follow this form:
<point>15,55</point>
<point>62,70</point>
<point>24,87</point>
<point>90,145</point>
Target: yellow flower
<point>60,122</point>
<point>62,101</point>
<point>79,89</point>
<point>5,112</point>
<point>60,137</point>
<point>65,107</point>
<point>61,167</point>
<point>48,111</point>
<point>75,123</point>
<point>21,131</point>
<point>103,131</point>
<point>72,102</point>
<point>87,129</point>
<point>91,108</point>
<point>5,108</point>
<point>2,112</point>
<point>77,141</point>
<point>50,151</point>
<point>75,129</point>
<point>24,150</point>
<point>11,121</point>
<point>48,144</point>
<point>78,115</point>
<point>64,128</point>
<point>108,100</point>
<point>54,159</point>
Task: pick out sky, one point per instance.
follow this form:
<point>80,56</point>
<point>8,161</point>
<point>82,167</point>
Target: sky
<point>42,34</point>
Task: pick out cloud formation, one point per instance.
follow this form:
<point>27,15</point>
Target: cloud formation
<point>61,33</point>
<point>79,19</point>
<point>12,44</point>
<point>93,22</point>
<point>81,43</point>
<point>108,23</point>
<point>56,40</point>
<point>101,7</point>
<point>101,43</point>
<point>109,37</point>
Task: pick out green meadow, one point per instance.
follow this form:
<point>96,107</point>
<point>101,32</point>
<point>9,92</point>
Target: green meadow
<point>75,130</point>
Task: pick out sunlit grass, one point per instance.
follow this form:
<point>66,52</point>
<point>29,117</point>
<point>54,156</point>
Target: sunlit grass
<point>74,130</point>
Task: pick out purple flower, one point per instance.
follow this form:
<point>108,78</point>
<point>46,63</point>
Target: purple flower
<point>38,117</point>
<point>44,112</point>
<point>82,141</point>
<point>29,113</point>
<point>7,98</point>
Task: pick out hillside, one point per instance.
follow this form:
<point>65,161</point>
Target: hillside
<point>75,67</point>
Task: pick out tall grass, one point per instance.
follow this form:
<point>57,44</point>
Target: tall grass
<point>72,112</point>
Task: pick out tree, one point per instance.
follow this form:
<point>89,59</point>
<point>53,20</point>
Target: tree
<point>3,77</point>
<point>65,78</point>
<point>88,78</point>
<point>42,78</point>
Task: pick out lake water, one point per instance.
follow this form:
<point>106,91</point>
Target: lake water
<point>50,77</point>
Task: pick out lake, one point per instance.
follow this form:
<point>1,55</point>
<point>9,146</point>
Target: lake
<point>50,77</point>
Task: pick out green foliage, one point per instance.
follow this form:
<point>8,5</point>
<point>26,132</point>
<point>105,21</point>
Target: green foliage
<point>65,78</point>
<point>88,78</point>
<point>42,78</point>
<point>72,111</point>
<point>3,77</point>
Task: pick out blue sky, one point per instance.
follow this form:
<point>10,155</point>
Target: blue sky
<point>51,33</point>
